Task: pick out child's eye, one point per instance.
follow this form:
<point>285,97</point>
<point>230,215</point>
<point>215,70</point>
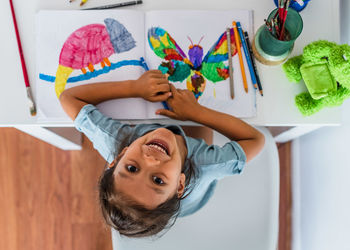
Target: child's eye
<point>131,168</point>
<point>158,180</point>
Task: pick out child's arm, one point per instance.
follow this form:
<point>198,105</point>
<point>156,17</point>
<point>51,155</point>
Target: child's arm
<point>185,107</point>
<point>152,86</point>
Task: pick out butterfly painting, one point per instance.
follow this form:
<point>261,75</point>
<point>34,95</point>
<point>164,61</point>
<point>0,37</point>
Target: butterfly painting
<point>194,68</point>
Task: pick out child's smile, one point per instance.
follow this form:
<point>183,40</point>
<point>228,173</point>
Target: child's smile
<point>159,145</point>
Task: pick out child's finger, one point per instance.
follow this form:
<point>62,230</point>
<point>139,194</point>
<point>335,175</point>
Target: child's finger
<point>167,113</point>
<point>163,87</point>
<point>155,71</point>
<point>162,81</point>
<point>161,97</point>
<point>173,90</point>
<point>158,74</point>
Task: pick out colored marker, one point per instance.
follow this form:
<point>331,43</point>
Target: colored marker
<point>246,52</point>
<point>238,46</point>
<point>165,105</point>
<point>253,62</point>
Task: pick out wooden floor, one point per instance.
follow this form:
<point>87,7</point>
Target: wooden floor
<point>285,216</point>
<point>48,197</point>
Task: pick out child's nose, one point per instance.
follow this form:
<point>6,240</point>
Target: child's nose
<point>151,158</point>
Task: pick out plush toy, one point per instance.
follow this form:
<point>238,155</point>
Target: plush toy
<point>325,68</point>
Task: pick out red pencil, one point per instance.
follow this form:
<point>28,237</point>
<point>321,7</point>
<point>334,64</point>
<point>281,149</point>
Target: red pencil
<point>24,69</point>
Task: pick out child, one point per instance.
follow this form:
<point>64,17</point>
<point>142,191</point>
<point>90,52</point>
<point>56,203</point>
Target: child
<point>156,172</point>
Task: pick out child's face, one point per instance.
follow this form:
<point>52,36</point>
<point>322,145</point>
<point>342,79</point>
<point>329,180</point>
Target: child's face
<point>147,173</point>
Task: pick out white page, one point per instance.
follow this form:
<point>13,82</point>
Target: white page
<point>210,24</point>
<point>53,28</point>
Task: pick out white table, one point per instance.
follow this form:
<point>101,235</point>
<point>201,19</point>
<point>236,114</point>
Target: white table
<point>276,108</point>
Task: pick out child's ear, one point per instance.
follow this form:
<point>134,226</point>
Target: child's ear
<point>181,187</point>
<point>118,157</point>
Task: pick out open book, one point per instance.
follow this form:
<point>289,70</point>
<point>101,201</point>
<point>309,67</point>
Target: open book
<point>82,47</point>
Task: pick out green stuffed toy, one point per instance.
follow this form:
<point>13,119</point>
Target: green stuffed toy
<point>325,68</point>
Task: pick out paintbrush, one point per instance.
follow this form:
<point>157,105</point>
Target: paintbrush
<point>285,13</point>
<point>24,69</point>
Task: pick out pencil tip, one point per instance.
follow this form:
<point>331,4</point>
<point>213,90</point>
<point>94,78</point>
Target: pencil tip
<point>246,90</point>
<point>261,93</point>
<point>82,3</point>
<point>255,86</point>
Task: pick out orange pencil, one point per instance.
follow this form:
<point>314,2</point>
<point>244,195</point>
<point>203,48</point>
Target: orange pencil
<point>238,47</point>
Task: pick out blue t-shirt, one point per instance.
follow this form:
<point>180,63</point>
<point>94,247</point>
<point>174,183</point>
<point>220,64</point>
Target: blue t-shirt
<point>211,162</point>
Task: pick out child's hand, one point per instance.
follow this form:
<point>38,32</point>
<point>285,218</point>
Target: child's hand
<point>153,86</point>
<point>183,104</point>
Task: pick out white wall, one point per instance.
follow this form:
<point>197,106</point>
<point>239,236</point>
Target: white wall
<point>345,20</point>
<point>321,179</point>
<point>321,188</point>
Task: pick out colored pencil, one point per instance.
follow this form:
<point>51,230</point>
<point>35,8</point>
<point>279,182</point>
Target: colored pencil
<point>238,47</point>
<point>165,105</point>
<point>230,65</point>
<point>247,56</point>
<point>83,2</point>
<point>32,107</point>
<point>253,62</point>
<point>118,5</point>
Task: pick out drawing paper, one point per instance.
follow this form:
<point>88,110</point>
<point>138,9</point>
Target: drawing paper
<point>89,40</point>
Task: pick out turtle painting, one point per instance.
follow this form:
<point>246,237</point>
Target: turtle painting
<point>91,45</point>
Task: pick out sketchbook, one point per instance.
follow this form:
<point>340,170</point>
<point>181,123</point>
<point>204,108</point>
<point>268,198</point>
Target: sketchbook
<point>82,47</point>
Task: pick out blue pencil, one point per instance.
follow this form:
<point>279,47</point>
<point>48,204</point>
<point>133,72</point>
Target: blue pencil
<point>165,105</point>
<point>253,63</point>
<point>246,52</point>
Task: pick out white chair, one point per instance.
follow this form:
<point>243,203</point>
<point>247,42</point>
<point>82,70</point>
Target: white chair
<point>242,214</point>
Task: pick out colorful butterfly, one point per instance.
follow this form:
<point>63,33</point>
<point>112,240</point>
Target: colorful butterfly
<point>195,68</point>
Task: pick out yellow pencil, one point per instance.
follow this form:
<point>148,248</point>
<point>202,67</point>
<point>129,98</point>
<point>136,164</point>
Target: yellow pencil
<point>83,2</point>
<point>238,47</point>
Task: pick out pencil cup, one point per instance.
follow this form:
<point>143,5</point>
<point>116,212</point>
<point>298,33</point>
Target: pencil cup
<point>271,51</point>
